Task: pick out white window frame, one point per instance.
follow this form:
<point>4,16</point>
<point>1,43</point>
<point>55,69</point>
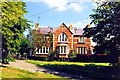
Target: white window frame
<point>62,38</point>
<point>81,39</point>
<point>40,51</point>
<point>82,50</point>
<point>62,49</point>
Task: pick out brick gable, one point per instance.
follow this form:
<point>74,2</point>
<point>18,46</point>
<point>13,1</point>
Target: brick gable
<point>64,48</point>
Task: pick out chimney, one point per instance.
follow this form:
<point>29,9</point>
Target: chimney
<point>70,27</point>
<point>75,30</point>
<point>36,25</point>
<point>88,25</point>
<point>51,29</point>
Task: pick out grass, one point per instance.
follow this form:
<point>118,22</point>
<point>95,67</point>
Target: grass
<point>10,72</point>
<point>41,63</point>
<point>93,70</point>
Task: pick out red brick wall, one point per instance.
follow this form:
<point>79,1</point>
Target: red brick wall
<point>76,44</point>
<point>72,43</point>
<point>57,33</point>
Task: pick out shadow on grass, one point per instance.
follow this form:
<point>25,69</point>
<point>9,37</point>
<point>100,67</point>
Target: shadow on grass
<point>3,66</point>
<point>90,72</point>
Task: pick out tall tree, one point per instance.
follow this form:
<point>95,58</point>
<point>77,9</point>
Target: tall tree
<point>38,39</point>
<point>25,47</point>
<point>13,26</point>
<point>106,32</point>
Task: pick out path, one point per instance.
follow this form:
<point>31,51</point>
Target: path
<point>32,68</point>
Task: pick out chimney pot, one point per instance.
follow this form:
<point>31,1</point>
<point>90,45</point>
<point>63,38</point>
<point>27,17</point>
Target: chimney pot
<point>75,29</point>
<point>70,27</point>
<point>36,25</point>
<point>88,25</point>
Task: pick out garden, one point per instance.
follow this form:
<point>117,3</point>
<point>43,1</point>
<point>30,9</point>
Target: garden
<point>102,71</point>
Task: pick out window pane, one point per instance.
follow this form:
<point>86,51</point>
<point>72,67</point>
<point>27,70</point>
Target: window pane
<point>64,49</point>
<point>84,50</point>
<point>46,49</point>
<point>43,49</point>
<point>61,49</point>
<point>78,50</point>
<point>81,50</point>
<point>62,36</point>
<point>38,50</point>
<point>65,38</point>
<point>81,39</point>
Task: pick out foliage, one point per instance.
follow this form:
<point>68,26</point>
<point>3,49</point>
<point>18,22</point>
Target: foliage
<point>39,39</point>
<point>72,54</point>
<point>106,32</point>
<point>13,26</point>
<point>25,47</point>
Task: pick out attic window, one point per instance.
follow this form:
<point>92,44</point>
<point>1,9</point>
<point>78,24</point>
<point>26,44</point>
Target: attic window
<point>81,40</point>
<point>62,37</point>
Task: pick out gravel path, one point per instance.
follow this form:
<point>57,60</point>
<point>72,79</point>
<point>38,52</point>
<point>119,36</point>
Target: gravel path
<point>32,68</point>
<point>23,65</point>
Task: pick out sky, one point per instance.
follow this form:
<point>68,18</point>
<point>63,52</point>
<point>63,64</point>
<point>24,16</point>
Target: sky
<point>55,12</point>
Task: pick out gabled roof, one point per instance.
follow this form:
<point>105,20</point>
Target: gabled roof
<point>47,29</point>
<point>66,27</point>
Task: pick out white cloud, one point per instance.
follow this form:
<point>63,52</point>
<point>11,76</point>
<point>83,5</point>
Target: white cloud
<point>56,3</point>
<point>77,24</point>
<point>63,5</point>
<point>77,7</point>
<point>81,24</point>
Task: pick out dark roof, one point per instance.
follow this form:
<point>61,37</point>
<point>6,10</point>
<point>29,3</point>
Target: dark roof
<point>46,30</point>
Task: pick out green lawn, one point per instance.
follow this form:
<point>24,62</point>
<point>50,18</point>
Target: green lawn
<point>10,72</point>
<point>41,63</point>
<point>93,70</point>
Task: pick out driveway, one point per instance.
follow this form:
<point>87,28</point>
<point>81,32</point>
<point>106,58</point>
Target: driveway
<point>21,64</point>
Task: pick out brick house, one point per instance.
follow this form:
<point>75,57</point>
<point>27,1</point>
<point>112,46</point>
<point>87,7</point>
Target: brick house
<point>66,40</point>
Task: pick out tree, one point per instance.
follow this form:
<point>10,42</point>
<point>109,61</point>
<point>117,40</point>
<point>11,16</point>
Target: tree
<point>106,32</point>
<point>51,53</point>
<point>25,47</point>
<point>38,39</point>
<point>13,26</point>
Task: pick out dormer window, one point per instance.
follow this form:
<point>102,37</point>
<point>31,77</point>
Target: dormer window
<point>81,40</point>
<point>62,37</point>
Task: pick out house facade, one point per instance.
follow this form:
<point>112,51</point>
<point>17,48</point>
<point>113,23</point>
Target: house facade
<point>66,41</point>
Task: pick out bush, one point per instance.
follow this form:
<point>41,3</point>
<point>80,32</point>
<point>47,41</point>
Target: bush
<point>83,58</point>
<point>72,55</point>
<point>94,58</point>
